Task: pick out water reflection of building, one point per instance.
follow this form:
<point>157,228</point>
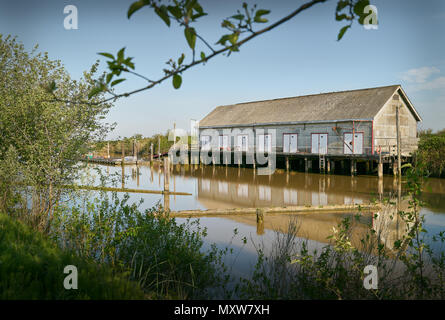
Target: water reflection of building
<point>220,187</point>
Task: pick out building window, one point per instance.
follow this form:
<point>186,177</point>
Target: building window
<point>290,143</point>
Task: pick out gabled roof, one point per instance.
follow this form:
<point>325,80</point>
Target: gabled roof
<point>363,104</point>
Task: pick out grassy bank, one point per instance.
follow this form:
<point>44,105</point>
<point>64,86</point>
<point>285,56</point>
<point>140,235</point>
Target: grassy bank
<point>31,267</point>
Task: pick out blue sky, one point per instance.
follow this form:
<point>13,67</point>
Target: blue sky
<point>300,57</point>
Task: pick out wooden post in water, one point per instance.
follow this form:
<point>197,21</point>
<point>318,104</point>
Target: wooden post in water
<point>328,166</point>
<point>159,147</point>
<point>108,149</point>
<point>394,167</point>
<point>123,152</point>
<point>306,166</point>
<point>259,221</point>
<point>399,161</point>
<point>151,154</point>
<point>287,164</point>
<point>166,174</point>
<point>137,175</point>
<point>353,167</point>
<point>380,167</point>
<point>123,177</point>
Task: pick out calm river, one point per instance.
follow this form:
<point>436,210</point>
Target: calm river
<point>229,187</point>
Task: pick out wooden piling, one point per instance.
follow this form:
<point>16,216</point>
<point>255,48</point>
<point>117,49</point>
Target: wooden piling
<point>259,221</point>
<point>166,174</point>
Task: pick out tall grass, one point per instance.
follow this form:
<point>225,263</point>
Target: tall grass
<point>31,267</point>
<point>395,243</point>
<point>163,256</point>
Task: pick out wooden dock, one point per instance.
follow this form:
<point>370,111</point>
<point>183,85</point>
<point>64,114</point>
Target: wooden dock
<point>97,188</point>
<point>272,210</point>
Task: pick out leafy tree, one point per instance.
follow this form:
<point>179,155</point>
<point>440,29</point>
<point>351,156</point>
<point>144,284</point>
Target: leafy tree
<point>42,139</point>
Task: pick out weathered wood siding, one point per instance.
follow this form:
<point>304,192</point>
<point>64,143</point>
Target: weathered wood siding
<point>334,130</point>
<point>385,132</point>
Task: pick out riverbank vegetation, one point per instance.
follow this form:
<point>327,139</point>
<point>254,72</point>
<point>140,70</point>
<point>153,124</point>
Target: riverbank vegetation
<point>42,139</point>
<point>32,267</point>
<point>431,152</point>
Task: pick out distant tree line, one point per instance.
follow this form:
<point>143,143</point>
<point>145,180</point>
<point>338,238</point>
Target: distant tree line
<point>136,142</point>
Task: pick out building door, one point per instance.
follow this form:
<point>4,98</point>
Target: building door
<point>264,143</point>
<point>353,147</point>
<point>224,142</point>
<point>205,142</point>
<point>290,142</point>
<point>320,143</point>
<point>358,143</point>
<point>242,142</point>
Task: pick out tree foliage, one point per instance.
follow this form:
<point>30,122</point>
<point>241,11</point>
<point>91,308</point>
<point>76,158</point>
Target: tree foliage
<point>42,139</point>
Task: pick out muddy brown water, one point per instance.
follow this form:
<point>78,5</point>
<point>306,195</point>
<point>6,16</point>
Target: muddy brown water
<point>215,187</point>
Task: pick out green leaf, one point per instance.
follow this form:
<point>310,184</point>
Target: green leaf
<point>163,14</point>
<point>109,77</point>
<point>120,55</point>
<point>238,17</point>
<point>258,16</point>
<point>342,32</point>
<point>177,80</point>
<point>115,82</point>
<point>341,5</point>
<point>223,39</point>
<point>106,54</point>
<point>175,11</point>
<point>359,9</point>
<point>181,59</point>
<point>135,6</point>
<point>233,38</point>
<point>203,56</point>
<point>190,35</point>
<point>128,63</point>
<point>340,17</point>
<point>95,91</point>
<point>227,24</point>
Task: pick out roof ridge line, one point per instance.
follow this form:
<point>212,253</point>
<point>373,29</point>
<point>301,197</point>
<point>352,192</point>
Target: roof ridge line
<point>308,95</point>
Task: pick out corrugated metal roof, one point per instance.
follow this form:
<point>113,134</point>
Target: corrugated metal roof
<point>343,105</point>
